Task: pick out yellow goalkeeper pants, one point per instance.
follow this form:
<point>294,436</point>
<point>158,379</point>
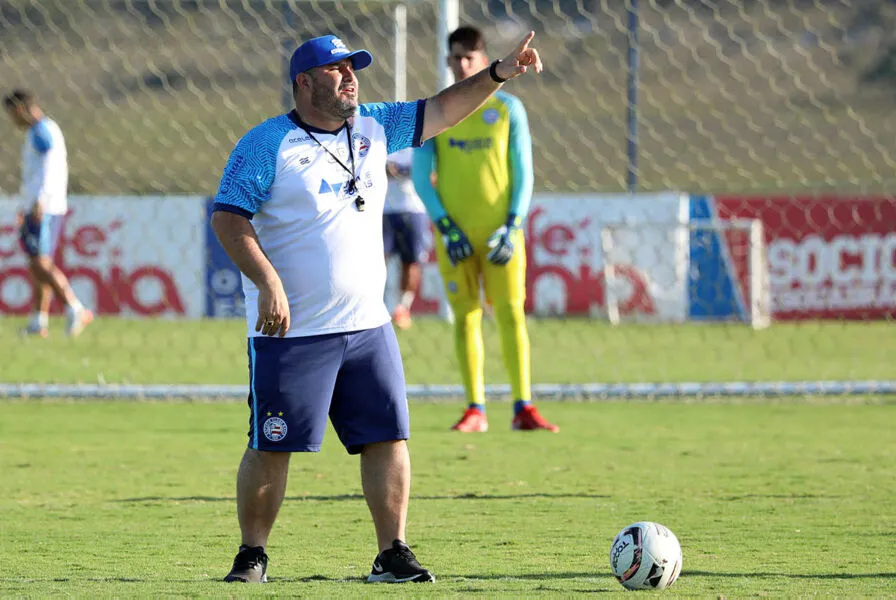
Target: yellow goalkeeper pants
<point>505,291</point>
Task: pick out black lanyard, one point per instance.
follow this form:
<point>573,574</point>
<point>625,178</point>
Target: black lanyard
<point>352,187</point>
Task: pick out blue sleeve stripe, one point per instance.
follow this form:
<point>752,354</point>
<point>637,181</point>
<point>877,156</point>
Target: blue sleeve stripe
<point>418,126</point>
<point>421,171</point>
<point>41,137</point>
<point>224,207</point>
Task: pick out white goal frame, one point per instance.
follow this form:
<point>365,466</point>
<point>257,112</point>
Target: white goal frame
<point>759,301</point>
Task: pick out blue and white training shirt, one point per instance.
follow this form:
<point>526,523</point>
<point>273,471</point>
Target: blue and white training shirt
<point>45,168</point>
<point>328,254</point>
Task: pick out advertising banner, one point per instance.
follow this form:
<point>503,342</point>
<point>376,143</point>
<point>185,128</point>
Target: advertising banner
<point>141,256</point>
<point>829,257</point>
<point>565,263</point>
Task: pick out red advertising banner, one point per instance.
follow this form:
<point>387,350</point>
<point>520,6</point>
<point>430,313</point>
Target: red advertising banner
<point>565,262</point>
<point>140,257</point>
<point>830,257</point>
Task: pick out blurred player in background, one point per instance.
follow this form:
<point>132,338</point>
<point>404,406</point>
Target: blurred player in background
<point>44,194</point>
<point>483,188</point>
<point>405,224</point>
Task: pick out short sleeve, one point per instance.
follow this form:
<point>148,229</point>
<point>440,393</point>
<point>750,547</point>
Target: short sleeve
<point>250,171</point>
<point>402,122</point>
<point>41,138</point>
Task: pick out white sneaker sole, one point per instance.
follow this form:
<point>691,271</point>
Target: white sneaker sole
<point>390,578</point>
<point>75,325</point>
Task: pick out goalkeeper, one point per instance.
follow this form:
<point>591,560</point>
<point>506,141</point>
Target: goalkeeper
<point>483,186</point>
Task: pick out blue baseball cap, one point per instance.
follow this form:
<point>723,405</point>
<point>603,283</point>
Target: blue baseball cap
<point>325,50</point>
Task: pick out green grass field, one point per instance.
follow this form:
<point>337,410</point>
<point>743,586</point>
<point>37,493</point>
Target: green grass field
<point>124,499</point>
<point>563,351</point>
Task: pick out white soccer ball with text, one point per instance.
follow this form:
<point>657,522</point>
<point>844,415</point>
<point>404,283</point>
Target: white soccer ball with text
<point>646,556</point>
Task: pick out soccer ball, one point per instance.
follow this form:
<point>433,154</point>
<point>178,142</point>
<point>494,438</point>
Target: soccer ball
<point>645,556</point>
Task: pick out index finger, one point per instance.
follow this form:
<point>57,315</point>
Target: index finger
<point>525,43</point>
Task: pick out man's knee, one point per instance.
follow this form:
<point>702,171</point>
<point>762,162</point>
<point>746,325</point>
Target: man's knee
<point>509,313</point>
<point>466,311</point>
<point>41,266</point>
<point>266,460</point>
<point>383,447</point>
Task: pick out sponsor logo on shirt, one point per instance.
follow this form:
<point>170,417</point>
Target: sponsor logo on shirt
<point>471,145</point>
<point>330,188</point>
<point>341,154</point>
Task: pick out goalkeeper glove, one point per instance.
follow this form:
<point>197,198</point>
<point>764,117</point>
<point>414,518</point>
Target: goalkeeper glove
<point>500,241</point>
<point>456,243</point>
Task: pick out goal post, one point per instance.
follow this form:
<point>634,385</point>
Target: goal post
<point>720,266</point>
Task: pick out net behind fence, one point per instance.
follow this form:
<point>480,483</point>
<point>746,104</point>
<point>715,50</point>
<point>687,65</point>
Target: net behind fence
<point>749,109</point>
<point>733,95</point>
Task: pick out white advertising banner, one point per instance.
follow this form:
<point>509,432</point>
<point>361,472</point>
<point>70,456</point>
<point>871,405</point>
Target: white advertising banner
<point>565,264</point>
<point>129,256</point>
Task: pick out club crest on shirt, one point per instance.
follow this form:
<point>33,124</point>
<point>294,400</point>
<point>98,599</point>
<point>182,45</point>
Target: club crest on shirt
<point>275,429</point>
<point>490,116</point>
<point>363,144</point>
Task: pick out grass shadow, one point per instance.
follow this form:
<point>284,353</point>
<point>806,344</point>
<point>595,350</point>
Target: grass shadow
<point>760,574</point>
<point>360,497</point>
<point>781,497</point>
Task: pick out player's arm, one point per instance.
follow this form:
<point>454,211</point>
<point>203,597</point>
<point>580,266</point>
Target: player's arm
<point>455,103</point>
<point>521,183</point>
<point>456,242</point>
<point>244,186</point>
<point>521,167</point>
<point>239,240</point>
<point>398,165</point>
<point>422,166</point>
<point>408,124</point>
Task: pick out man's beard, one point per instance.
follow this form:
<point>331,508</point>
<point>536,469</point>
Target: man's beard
<point>332,104</point>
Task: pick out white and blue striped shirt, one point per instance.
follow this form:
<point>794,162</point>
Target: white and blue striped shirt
<point>328,254</point>
<point>45,168</point>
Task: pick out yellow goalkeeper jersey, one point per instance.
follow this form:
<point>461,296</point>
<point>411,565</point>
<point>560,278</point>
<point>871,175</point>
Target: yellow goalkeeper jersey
<point>483,167</point>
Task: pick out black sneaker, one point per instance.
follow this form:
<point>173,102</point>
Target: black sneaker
<point>398,565</point>
<point>249,566</point>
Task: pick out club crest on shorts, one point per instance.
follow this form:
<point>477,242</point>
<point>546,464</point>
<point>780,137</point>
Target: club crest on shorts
<point>275,429</point>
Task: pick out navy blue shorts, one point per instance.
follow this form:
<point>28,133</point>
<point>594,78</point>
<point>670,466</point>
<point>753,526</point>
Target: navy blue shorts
<point>41,239</point>
<point>356,378</point>
<point>405,233</point>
